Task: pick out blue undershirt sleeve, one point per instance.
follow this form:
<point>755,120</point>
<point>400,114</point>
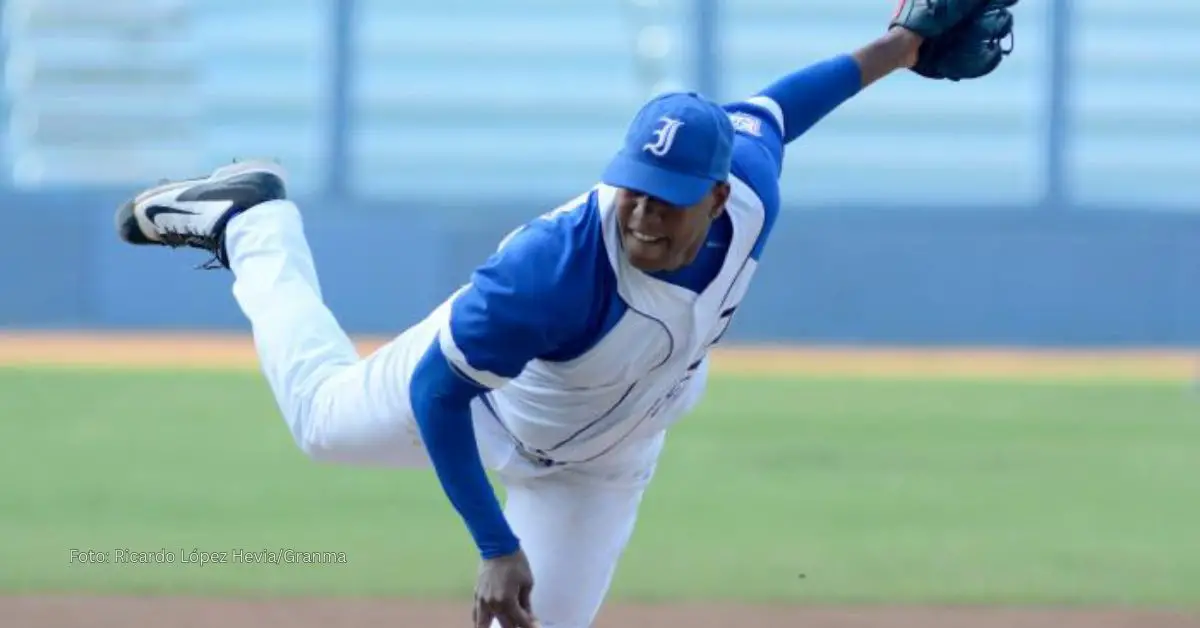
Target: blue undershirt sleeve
<point>523,303</point>
<point>803,98</point>
<point>778,114</point>
<point>441,402</point>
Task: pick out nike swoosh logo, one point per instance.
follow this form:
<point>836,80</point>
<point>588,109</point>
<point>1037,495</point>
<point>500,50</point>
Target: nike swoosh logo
<point>155,211</point>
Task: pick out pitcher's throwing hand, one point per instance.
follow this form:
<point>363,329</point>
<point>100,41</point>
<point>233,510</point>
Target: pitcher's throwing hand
<point>502,592</point>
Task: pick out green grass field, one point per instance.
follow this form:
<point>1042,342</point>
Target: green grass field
<point>799,490</point>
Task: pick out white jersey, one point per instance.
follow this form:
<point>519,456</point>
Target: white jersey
<point>579,350</point>
<point>634,379</point>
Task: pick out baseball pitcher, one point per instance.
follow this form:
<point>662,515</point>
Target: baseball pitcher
<point>573,348</point>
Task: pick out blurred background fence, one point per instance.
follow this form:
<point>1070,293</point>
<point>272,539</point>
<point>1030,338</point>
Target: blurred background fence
<point>1053,203</point>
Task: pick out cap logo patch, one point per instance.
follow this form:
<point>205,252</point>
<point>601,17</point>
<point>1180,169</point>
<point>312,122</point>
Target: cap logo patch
<point>664,137</point>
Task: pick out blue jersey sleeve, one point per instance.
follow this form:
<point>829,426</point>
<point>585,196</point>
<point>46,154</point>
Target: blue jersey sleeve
<point>528,300</point>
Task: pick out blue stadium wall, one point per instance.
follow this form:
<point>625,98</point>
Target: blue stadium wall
<point>836,275</point>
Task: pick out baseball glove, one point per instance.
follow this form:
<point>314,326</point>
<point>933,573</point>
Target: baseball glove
<point>964,39</point>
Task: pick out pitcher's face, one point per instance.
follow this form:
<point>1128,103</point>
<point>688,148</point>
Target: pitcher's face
<point>658,236</point>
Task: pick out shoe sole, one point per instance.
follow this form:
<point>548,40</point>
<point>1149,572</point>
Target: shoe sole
<point>126,221</point>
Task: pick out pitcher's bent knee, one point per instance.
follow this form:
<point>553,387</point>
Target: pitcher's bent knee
<point>349,415</point>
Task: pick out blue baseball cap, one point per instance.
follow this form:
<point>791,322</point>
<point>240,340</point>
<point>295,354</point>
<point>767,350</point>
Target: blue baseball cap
<point>677,147</point>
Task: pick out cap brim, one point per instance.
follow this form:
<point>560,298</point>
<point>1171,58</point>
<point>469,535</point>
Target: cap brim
<point>673,187</point>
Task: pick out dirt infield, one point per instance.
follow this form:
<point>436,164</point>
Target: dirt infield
<point>100,612</point>
<point>237,352</point>
<point>191,351</point>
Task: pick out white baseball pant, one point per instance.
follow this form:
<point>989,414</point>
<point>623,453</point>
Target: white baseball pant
<point>574,522</point>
